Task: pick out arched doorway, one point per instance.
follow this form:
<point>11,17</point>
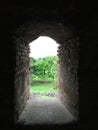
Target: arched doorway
<point>68,64</point>
<point>43,67</point>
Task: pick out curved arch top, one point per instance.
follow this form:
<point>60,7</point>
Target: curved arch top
<point>57,31</point>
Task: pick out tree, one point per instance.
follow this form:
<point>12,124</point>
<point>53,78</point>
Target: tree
<point>44,68</point>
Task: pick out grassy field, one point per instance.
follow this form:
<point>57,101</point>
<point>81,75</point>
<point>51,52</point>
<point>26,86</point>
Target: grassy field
<point>42,88</point>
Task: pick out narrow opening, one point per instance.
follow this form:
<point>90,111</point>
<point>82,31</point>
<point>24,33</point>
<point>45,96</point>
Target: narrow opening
<point>60,106</point>
<point>43,68</point>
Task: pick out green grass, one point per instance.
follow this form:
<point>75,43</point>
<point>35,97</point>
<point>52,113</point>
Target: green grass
<point>42,88</point>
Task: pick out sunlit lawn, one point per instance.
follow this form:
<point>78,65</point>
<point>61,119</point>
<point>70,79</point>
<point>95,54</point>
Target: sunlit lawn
<point>41,88</point>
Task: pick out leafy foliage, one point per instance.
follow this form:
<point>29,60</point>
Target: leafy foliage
<point>44,68</point>
<point>42,88</point>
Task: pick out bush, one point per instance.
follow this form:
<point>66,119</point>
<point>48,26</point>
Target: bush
<point>43,68</point>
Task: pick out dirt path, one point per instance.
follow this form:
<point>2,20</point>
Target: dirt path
<point>45,111</point>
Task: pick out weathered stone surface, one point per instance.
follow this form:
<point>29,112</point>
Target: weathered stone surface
<point>22,77</point>
<point>68,79</point>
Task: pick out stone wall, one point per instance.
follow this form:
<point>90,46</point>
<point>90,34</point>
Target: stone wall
<point>22,85</point>
<point>68,53</point>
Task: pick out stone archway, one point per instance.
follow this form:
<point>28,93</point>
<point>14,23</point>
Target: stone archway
<point>66,37</point>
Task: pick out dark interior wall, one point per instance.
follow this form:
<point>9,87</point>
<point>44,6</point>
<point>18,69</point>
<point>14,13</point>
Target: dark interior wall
<point>89,72</point>
<point>87,21</point>
<point>7,56</point>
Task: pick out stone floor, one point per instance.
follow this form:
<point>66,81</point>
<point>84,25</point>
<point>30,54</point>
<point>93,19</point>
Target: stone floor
<point>45,111</point>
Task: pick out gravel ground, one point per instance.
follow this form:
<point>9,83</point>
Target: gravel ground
<point>45,111</point>
<point>34,95</point>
